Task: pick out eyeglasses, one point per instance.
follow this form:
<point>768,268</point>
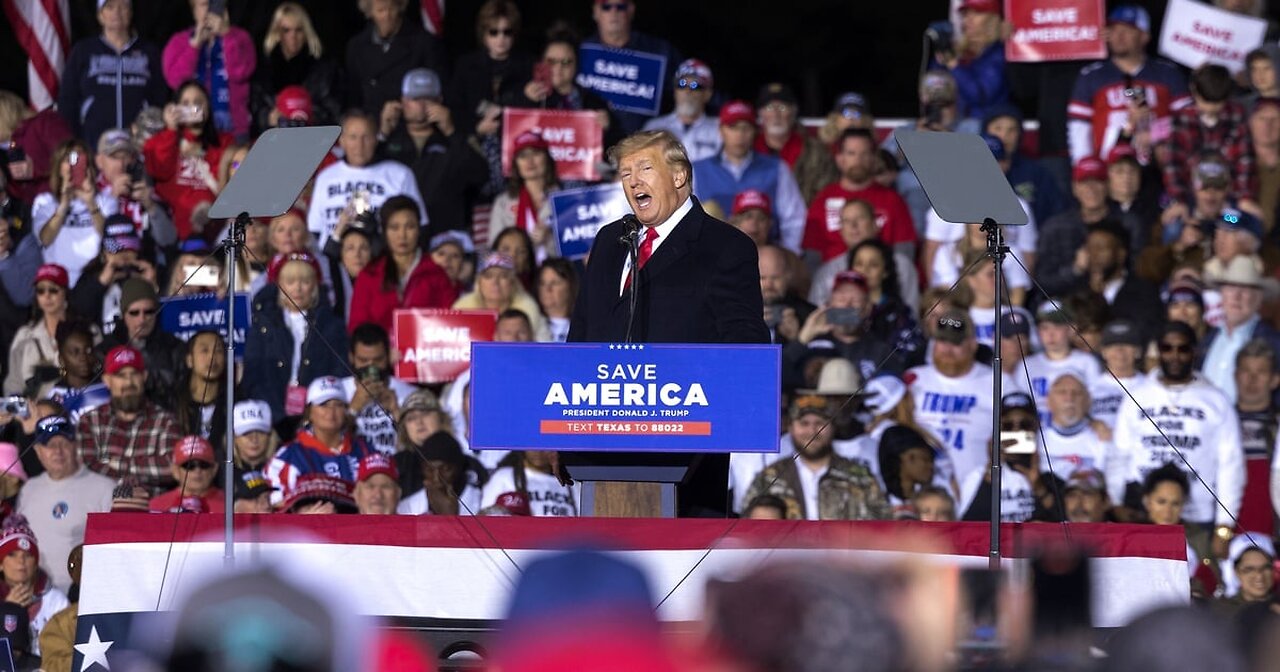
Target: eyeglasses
<point>1023,426</point>
<point>1180,348</point>
<point>564,62</point>
<point>197,465</point>
<point>691,84</point>
<point>775,107</point>
<point>139,312</point>
<point>504,32</point>
<point>614,7</point>
<point>949,323</point>
<point>41,291</point>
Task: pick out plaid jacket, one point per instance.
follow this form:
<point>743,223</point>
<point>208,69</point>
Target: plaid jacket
<point>137,451</point>
<point>848,491</point>
<point>1229,137</point>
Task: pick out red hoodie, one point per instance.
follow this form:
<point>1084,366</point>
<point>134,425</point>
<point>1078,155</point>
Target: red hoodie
<point>428,287</point>
<point>180,180</point>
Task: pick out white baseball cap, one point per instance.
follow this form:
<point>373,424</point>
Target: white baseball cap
<point>883,393</point>
<point>251,416</point>
<point>325,388</point>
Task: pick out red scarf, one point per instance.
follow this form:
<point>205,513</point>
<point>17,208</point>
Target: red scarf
<point>526,214</point>
<point>790,151</point>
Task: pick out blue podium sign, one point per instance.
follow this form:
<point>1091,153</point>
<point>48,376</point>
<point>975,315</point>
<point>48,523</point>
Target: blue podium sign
<point>630,80</point>
<point>625,397</point>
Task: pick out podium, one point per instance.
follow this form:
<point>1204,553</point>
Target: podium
<point>630,421</point>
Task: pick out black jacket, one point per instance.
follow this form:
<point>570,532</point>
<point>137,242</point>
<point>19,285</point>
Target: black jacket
<point>268,352</point>
<point>374,74</point>
<point>318,77</point>
<point>478,78</point>
<point>702,285</point>
<point>163,355</point>
<point>101,89</point>
<point>448,171</point>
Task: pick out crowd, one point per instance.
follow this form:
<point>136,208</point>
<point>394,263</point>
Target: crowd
<point>1139,352</point>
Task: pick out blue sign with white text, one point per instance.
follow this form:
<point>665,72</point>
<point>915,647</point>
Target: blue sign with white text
<point>184,316</point>
<point>625,397</point>
<point>630,80</point>
<point>578,214</point>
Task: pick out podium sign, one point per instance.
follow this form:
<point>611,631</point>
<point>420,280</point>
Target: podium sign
<point>625,397</point>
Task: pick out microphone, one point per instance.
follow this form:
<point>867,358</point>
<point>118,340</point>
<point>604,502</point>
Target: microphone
<point>632,225</point>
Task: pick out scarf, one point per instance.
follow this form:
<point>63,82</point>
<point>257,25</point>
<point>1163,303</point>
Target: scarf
<point>526,214</point>
<point>211,70</point>
<point>790,151</point>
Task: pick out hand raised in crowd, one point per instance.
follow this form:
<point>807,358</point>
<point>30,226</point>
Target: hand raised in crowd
<point>21,595</point>
<point>122,186</point>
<point>440,116</point>
<point>209,28</point>
<point>536,91</point>
<point>172,116</point>
<point>788,322</point>
<point>141,192</point>
<point>392,110</point>
<point>813,326</point>
<point>491,122</point>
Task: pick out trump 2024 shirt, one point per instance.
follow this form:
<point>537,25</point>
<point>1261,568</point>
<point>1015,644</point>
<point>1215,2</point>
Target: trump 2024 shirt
<point>1201,423</point>
<point>958,412</point>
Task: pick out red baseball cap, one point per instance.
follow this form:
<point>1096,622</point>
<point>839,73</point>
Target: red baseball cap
<point>527,140</point>
<point>752,199</point>
<point>1120,153</point>
<point>278,262</point>
<point>376,463</point>
<point>294,103</point>
<point>850,278</point>
<point>52,273</point>
<point>735,111</point>
<point>191,448</point>
<point>121,357</point>
<point>1089,168</point>
<point>990,6</point>
<point>516,503</point>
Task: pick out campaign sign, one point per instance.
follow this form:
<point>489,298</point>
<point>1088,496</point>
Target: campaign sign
<point>574,138</point>
<point>625,397</point>
<point>1054,30</point>
<point>1196,33</point>
<point>630,80</point>
<point>578,214</point>
<point>184,316</point>
<point>434,344</point>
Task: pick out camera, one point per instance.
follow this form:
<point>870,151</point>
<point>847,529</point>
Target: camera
<point>11,153</point>
<point>16,406</point>
<point>772,314</point>
<point>372,374</point>
<point>844,317</point>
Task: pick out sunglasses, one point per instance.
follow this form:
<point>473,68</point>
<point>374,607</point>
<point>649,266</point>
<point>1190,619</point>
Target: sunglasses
<point>1180,348</point>
<point>948,323</point>
<point>1023,426</point>
<point>504,32</point>
<point>614,7</point>
<point>41,291</point>
<point>139,312</point>
<point>197,465</point>
<point>691,84</point>
<point>560,61</point>
<point>851,113</point>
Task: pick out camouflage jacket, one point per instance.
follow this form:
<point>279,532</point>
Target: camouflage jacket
<point>848,491</point>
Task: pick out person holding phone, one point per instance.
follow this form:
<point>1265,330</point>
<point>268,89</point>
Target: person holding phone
<point>1025,492</point>
<point>70,217</point>
<point>183,160</point>
<point>221,57</point>
<point>553,86</point>
<point>842,324</point>
<point>96,294</point>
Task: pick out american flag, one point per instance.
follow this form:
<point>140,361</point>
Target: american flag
<point>42,30</point>
<point>433,16</point>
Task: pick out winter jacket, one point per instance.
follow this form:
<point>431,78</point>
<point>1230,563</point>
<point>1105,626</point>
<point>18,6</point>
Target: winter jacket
<point>374,73</point>
<point>104,89</point>
<point>428,287</point>
<point>268,352</point>
<point>163,354</point>
<point>318,77</point>
<point>448,171</point>
<point>37,137</point>
<point>238,55</point>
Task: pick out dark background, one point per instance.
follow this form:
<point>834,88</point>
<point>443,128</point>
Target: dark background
<point>820,47</point>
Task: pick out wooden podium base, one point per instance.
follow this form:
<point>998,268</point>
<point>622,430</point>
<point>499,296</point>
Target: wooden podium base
<point>619,499</point>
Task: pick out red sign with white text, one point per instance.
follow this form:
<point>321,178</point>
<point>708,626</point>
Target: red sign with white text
<point>1054,30</point>
<point>434,344</point>
<point>575,139</point>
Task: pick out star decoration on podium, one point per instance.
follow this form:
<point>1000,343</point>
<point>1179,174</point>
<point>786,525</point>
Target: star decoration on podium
<point>626,346</point>
<point>94,651</point>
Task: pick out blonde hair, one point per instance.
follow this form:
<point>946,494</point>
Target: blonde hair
<point>672,151</point>
<point>13,110</point>
<point>292,10</point>
<point>295,269</point>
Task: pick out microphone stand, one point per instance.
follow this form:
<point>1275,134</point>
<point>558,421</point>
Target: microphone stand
<point>631,240</point>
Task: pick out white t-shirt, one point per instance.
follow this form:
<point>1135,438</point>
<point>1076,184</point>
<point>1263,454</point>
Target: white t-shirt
<point>336,185</point>
<point>1045,371</point>
<point>948,262</point>
<point>78,242</point>
<point>1071,451</point>
<point>57,512</point>
<point>372,425</point>
<point>1199,420</point>
<point>546,496</point>
<point>1106,396</point>
<point>416,504</point>
<point>1017,499</point>
<point>958,413</point>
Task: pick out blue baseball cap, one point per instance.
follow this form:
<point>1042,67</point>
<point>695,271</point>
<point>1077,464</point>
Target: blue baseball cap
<point>1237,220</point>
<point>54,425</point>
<point>194,246</point>
<point>1132,15</point>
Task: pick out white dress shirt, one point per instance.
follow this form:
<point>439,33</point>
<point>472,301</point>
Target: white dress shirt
<point>664,229</point>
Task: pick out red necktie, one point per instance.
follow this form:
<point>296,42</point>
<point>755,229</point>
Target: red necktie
<point>646,250</point>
